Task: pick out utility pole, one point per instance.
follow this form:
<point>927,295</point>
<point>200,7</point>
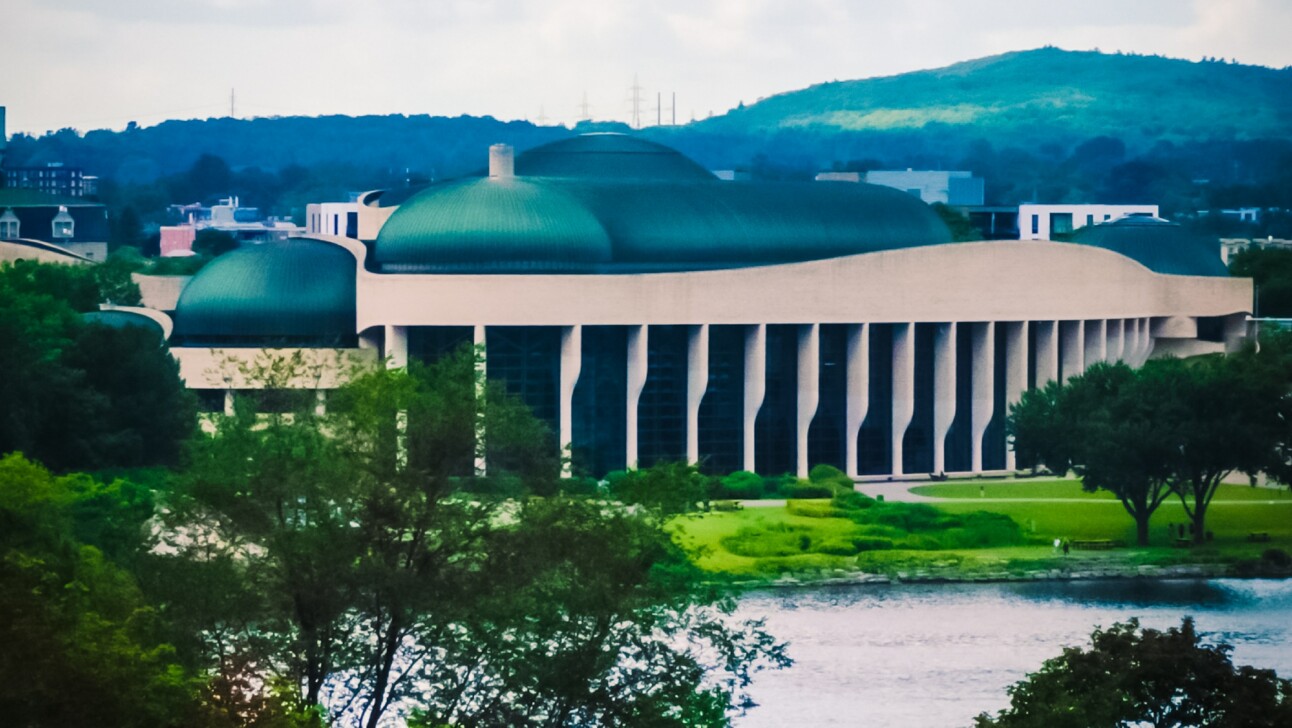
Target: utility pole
<point>542,116</point>
<point>584,114</point>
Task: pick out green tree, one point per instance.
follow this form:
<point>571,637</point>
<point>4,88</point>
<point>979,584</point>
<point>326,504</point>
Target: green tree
<point>666,488</point>
<point>1106,425</point>
<point>382,561</point>
<point>212,243</point>
<point>81,645</point>
<point>1131,676</point>
<point>957,222</point>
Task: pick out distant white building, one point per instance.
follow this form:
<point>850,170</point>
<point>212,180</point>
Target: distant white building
<point>948,187</point>
<point>332,218</point>
<point>1042,222</point>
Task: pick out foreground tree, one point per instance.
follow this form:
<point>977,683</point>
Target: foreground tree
<point>1173,426</point>
<point>388,576</point>
<point>1132,677</point>
<point>1105,426</point>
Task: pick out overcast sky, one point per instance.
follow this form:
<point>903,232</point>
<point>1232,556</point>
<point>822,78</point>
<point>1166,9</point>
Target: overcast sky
<point>94,64</point>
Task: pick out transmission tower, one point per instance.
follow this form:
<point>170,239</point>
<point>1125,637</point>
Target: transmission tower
<point>584,113</point>
<point>637,103</point>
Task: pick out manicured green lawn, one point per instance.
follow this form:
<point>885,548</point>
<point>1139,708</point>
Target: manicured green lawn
<point>703,535</point>
<point>1072,489</point>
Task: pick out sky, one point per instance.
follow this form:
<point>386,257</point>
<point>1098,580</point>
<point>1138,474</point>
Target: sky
<point>91,64</point>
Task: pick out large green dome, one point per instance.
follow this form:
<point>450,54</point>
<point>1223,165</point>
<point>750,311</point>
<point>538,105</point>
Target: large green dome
<point>577,207</point>
<point>493,223</point>
<point>1161,246</point>
<point>297,292</point>
<point>610,155</point>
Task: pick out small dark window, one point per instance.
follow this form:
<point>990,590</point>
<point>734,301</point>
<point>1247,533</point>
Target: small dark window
<point>352,225</point>
<point>1060,223</point>
<point>209,400</point>
<point>1036,224</point>
<point>1211,328</point>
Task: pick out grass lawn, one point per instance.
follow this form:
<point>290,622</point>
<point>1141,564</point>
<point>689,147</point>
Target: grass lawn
<point>704,534</point>
<point>1072,489</point>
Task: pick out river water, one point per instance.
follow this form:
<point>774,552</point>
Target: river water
<point>937,655</point>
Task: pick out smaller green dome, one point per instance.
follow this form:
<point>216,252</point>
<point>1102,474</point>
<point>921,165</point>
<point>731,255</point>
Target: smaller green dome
<point>115,319</point>
<point>491,224</point>
<point>611,156</point>
<point>298,292</point>
<point>1159,245</point>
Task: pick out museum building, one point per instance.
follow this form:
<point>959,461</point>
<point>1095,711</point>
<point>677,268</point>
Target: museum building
<point>648,311</point>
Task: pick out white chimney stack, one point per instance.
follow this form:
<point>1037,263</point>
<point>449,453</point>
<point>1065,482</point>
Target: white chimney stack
<point>502,161</point>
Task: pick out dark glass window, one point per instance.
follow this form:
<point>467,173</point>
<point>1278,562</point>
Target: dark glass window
<point>775,428</point>
<point>917,442</point>
<point>827,434</point>
<point>722,411</point>
<point>527,360</point>
<point>600,402</point>
<point>874,444</point>
<point>661,409</point>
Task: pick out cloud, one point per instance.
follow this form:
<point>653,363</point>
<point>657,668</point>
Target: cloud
<point>148,60</point>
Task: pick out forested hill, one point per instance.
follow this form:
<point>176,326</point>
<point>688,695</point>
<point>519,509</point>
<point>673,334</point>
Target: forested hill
<point>1042,95</point>
<point>1045,124</point>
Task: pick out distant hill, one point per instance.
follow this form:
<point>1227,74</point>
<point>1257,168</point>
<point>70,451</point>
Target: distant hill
<point>1047,102</point>
<point>1045,95</point>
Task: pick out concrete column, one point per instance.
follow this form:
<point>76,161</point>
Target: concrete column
<point>858,391</point>
<point>1047,352</point>
<point>903,387</point>
<point>1133,334</point>
<point>229,397</point>
<point>571,366</point>
<point>1116,340</point>
<point>809,391</point>
<point>479,341</point>
<point>1096,342</point>
<point>1015,373</point>
<point>697,381</point>
<point>396,352</point>
<point>944,391</point>
<point>1074,348</point>
<point>755,385</point>
<point>982,345</point>
<point>1146,340</point>
<point>636,383</point>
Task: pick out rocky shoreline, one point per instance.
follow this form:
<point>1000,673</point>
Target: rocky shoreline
<point>1242,569</point>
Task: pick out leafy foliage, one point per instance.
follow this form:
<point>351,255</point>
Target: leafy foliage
<point>1131,676</point>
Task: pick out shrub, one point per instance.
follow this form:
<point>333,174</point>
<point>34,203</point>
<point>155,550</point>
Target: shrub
<point>802,489</point>
<point>740,485</point>
<point>837,547</point>
<point>832,477</point>
<point>1276,557</point>
<point>852,501</point>
<point>871,544</point>
<point>811,509</point>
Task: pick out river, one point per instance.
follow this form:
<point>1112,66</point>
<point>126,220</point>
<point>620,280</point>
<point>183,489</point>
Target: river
<point>937,655</point>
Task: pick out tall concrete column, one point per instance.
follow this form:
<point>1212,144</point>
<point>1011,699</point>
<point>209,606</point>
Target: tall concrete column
<point>1096,342</point>
<point>1073,350</point>
<point>1146,340</point>
<point>903,388</point>
<point>571,366</point>
<point>697,381</point>
<point>858,391</point>
<point>944,391</point>
<point>1015,373</point>
<point>1132,342</point>
<point>481,348</point>
<point>809,391</point>
<point>982,345</point>
<point>636,383</point>
<point>1116,340</point>
<point>755,385</point>
<point>396,352</point>
<point>1047,352</point>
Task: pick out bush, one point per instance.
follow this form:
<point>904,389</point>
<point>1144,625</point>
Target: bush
<point>871,544</point>
<point>811,509</point>
<point>803,489</point>
<point>832,477</point>
<point>837,547</point>
<point>740,485</point>
<point>1276,557</point>
<point>774,541</point>
<point>852,501</point>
